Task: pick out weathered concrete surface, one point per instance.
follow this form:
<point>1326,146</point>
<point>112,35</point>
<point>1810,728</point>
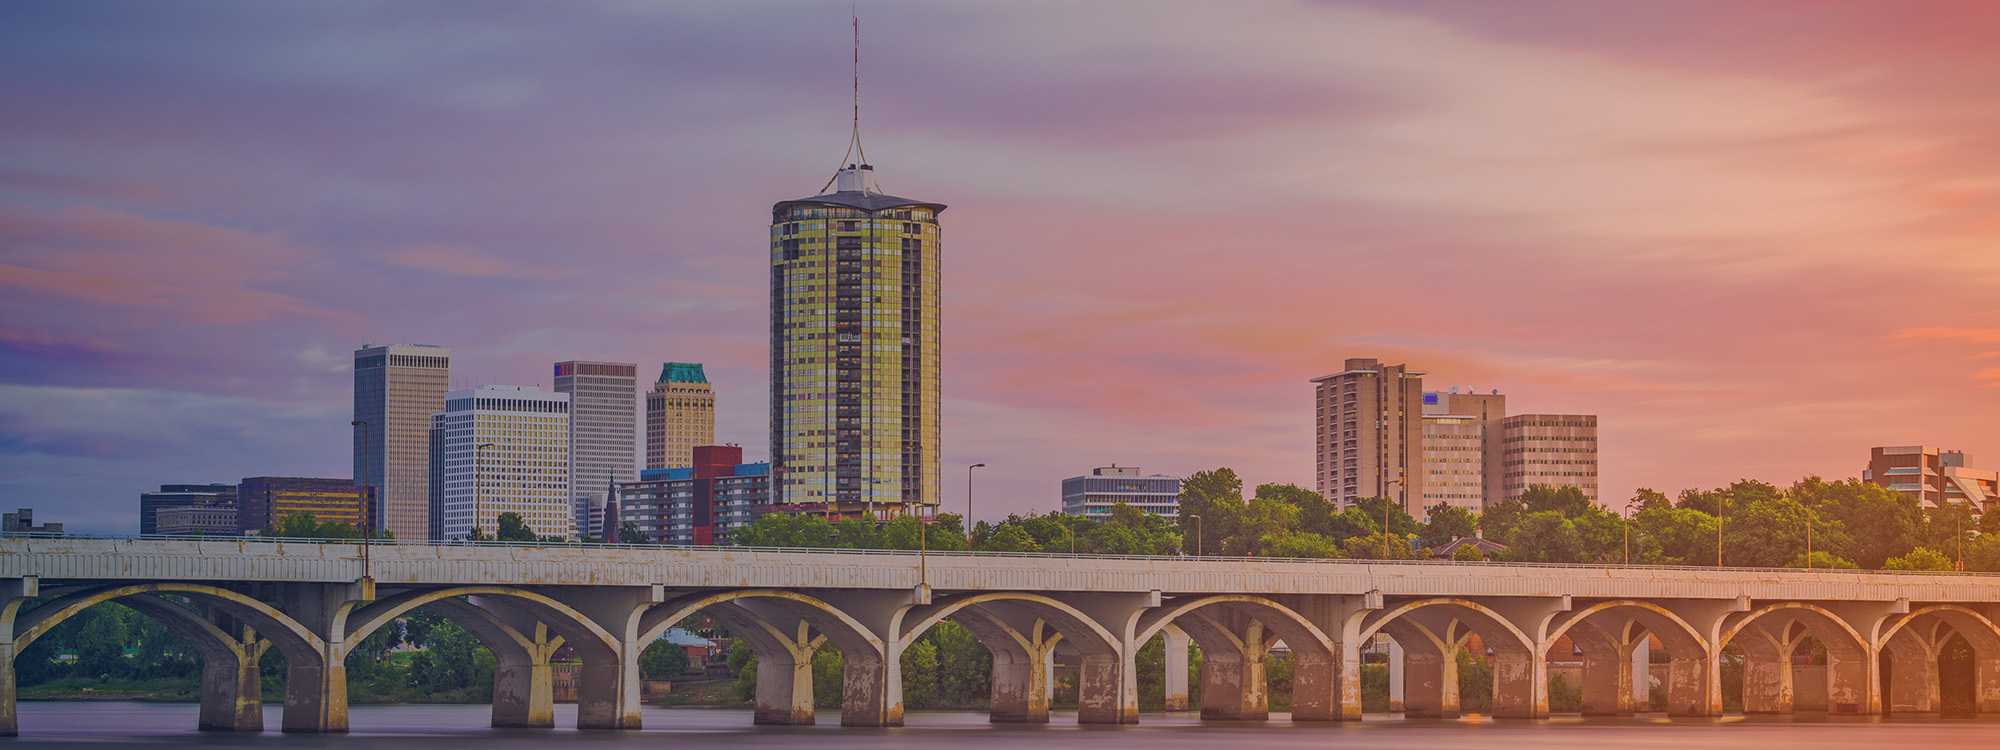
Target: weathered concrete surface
<point>1177,669</point>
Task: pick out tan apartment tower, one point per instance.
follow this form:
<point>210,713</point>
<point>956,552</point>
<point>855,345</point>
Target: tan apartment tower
<point>1554,449</point>
<point>1461,448</point>
<point>397,388</point>
<point>1369,434</point>
<point>680,414</point>
<point>603,403</point>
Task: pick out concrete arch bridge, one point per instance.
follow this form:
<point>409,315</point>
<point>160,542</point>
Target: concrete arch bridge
<point>1882,633</point>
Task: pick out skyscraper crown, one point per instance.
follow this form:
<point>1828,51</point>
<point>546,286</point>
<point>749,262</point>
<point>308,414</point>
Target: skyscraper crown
<point>682,372</point>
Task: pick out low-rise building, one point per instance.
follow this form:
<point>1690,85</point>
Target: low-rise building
<point>261,501</point>
<point>177,496</point>
<point>23,522</point>
<point>199,520</point>
<point>1094,494</point>
<point>701,504</point>
<point>1934,477</point>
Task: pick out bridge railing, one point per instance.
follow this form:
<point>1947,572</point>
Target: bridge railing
<point>718,549</point>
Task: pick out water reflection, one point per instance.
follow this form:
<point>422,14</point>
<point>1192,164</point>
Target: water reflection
<point>66,724</point>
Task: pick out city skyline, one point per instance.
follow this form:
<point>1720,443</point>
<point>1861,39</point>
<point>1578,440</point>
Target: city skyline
<point>1753,238</point>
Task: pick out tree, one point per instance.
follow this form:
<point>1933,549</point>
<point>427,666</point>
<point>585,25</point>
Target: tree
<point>1499,520</point>
<point>1448,522</point>
<point>1011,538</point>
<point>1921,558</point>
<point>1880,523</point>
<point>630,533</point>
<point>920,674</point>
<point>1212,504</point>
<point>1564,499</point>
<point>1301,544</point>
<point>1821,560</point>
<point>1371,547</point>
<point>304,526</point>
<point>513,529</point>
<point>662,660</point>
<point>1545,536</point>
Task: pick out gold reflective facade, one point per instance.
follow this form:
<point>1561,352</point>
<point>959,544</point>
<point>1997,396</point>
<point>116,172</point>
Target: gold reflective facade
<point>854,353</point>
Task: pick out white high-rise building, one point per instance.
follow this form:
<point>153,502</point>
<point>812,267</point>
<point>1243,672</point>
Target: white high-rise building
<point>502,449</point>
<point>603,431</point>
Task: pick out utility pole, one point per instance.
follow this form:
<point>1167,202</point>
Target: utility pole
<point>1197,535</point>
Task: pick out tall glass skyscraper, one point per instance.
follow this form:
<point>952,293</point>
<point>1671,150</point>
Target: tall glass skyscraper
<point>396,390</point>
<point>854,350</point>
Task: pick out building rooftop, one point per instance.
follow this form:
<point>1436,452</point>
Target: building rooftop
<point>861,199</point>
<point>682,372</point>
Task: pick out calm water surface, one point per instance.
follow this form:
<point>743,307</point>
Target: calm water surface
<point>71,724</point>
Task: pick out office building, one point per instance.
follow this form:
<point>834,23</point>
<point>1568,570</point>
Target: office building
<point>603,434</point>
<point>1552,449</point>
<point>396,390</point>
<point>22,521</point>
<point>700,504</point>
<point>261,501</point>
<point>179,495</point>
<point>1461,441</point>
<point>680,414</point>
<point>1094,494</point>
<point>217,519</point>
<point>1934,477</point>
<point>854,350</point>
<point>502,449</point>
<point>1369,434</point>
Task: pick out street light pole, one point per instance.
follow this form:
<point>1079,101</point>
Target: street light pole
<point>1197,534</point>
<point>968,504</point>
<point>367,502</point>
<point>1628,531</point>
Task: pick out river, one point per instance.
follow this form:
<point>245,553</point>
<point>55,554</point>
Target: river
<point>435,727</point>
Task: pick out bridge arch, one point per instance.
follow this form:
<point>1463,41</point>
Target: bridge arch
<point>1770,635</point>
<point>1608,632</point>
<point>1912,659</point>
<point>294,640</point>
<point>589,639</point>
<point>1432,630</point>
<point>785,628</point>
<point>1235,633</point>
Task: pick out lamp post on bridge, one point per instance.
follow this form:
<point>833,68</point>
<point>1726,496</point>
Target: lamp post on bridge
<point>367,502</point>
<point>1197,535</point>
<point>1628,531</point>
<point>968,504</point>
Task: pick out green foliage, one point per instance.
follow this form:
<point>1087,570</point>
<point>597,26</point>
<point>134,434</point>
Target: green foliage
<point>1563,698</point>
<point>829,676</point>
<point>920,675</point>
<point>1301,544</point>
<point>1545,536</point>
<point>662,660</point>
<point>742,662</point>
<point>1448,522</point>
<point>1821,559</point>
<point>1921,558</point>
<point>1500,518</point>
<point>1468,553</point>
<point>1374,547</point>
<point>304,526</point>
<point>1475,684</point>
<point>630,533</point>
<point>1567,501</point>
<point>453,662</point>
<point>513,529</point>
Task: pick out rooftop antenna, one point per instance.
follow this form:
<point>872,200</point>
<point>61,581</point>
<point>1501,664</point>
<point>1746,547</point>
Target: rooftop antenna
<point>854,148</point>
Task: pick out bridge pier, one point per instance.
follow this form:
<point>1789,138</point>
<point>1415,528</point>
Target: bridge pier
<point>1607,670</point>
<point>1430,670</point>
<point>1234,685</point>
<point>316,698</point>
<point>1176,678</point>
<point>1767,671</point>
<point>10,722</point>
<point>1023,661</point>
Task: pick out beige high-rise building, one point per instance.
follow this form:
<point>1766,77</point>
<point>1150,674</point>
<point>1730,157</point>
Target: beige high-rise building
<point>500,449</point>
<point>1369,434</point>
<point>396,390</point>
<point>1555,449</point>
<point>1461,448</point>
<point>680,414</point>
<point>603,402</point>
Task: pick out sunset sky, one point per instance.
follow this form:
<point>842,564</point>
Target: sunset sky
<point>1755,238</point>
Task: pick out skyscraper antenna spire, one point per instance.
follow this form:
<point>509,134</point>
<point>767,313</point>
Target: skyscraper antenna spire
<point>858,155</point>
